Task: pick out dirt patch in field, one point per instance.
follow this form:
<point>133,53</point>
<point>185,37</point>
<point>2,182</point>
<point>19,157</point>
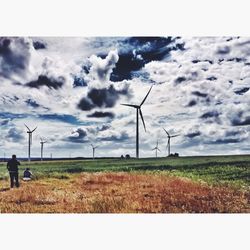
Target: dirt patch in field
<point>121,193</point>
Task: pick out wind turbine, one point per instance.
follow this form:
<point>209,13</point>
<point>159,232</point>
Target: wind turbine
<point>156,149</point>
<point>42,142</point>
<point>169,137</point>
<point>30,138</point>
<point>138,110</point>
<point>93,150</point>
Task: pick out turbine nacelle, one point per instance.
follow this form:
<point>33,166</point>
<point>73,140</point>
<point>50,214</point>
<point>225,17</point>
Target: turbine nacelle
<point>94,147</point>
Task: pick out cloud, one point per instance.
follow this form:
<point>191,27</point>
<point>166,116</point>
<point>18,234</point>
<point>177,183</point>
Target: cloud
<point>14,135</point>
<point>210,114</point>
<point>39,45</point>
<point>104,127</point>
<point>15,54</point>
<point>239,119</point>
<point>99,114</point>
<point>79,136</point>
<point>46,81</point>
<point>241,91</point>
<point>102,98</point>
<point>115,138</point>
<point>135,52</point>
<point>223,50</point>
<point>192,135</point>
<point>79,82</point>
<point>101,69</point>
<point>32,103</point>
<point>4,122</point>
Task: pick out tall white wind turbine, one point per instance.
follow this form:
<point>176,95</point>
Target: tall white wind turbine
<point>138,111</point>
<point>29,132</point>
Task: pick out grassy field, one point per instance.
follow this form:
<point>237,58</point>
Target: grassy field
<point>184,184</point>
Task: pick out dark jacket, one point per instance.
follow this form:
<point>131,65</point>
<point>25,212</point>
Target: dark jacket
<point>12,165</point>
<point>27,174</point>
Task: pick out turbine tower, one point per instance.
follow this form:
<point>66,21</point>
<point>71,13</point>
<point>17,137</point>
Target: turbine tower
<point>169,137</point>
<point>94,147</point>
<point>30,138</point>
<point>156,149</point>
<point>42,142</point>
<point>138,111</point>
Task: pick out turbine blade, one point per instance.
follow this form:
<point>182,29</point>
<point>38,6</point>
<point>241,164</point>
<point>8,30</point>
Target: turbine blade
<point>166,132</point>
<point>130,105</point>
<point>26,127</point>
<point>174,135</point>
<point>146,96</point>
<point>33,129</point>
<point>159,149</point>
<point>142,120</point>
<point>153,149</point>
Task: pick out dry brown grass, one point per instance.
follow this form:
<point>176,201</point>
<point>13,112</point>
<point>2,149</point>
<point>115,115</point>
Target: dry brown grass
<point>121,193</point>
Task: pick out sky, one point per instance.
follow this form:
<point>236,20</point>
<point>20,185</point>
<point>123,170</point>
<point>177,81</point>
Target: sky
<point>72,88</point>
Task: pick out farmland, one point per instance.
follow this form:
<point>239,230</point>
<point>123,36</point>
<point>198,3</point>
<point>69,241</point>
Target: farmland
<point>219,184</point>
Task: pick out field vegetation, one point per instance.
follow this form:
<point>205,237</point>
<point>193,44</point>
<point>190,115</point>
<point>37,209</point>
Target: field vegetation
<point>163,185</point>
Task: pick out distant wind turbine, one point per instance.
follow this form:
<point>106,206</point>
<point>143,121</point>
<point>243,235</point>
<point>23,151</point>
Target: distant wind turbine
<point>156,149</point>
<point>138,110</point>
<point>93,148</point>
<point>42,142</point>
<point>30,138</point>
<point>169,137</point>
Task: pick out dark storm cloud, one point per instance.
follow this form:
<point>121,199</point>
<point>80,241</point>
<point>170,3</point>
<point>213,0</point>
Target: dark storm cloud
<point>225,141</point>
<point>210,114</point>
<point>39,45</point>
<point>241,91</point>
<point>32,103</point>
<point>116,138</point>
<point>141,50</point>
<point>99,114</point>
<point>191,103</point>
<point>199,94</point>
<point>104,127</point>
<point>180,79</point>
<point>80,136</point>
<point>79,82</point>
<point>4,122</point>
<point>233,133</point>
<point>198,61</point>
<point>236,59</point>
<point>44,80</point>
<point>212,78</point>
<point>102,98</point>
<point>240,120</point>
<point>14,55</point>
<point>14,135</point>
<point>224,50</point>
<point>194,134</point>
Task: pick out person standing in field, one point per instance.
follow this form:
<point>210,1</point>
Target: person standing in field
<point>12,167</point>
